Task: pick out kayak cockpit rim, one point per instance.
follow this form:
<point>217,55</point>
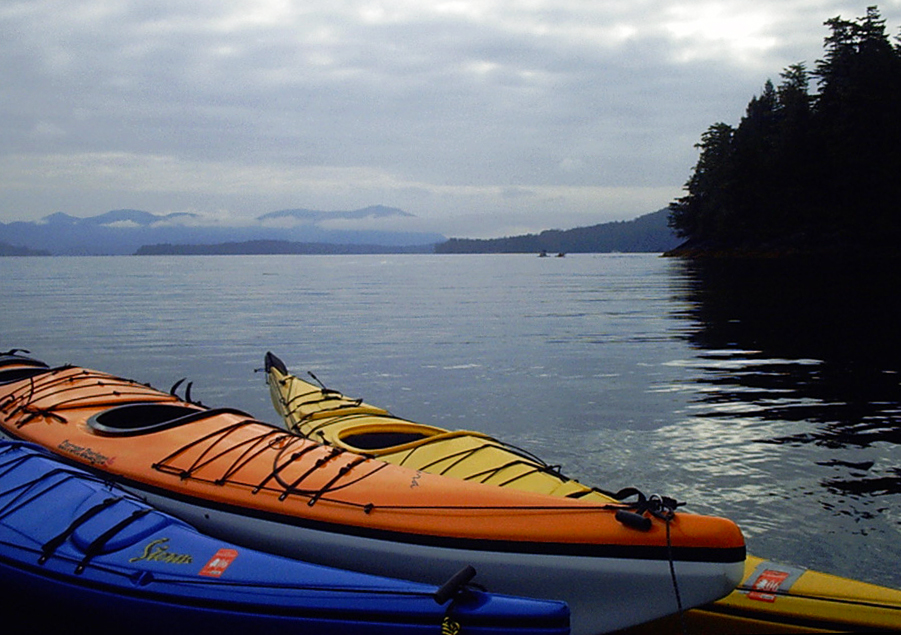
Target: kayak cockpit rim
<point>15,367</point>
<point>393,437</point>
<point>144,418</point>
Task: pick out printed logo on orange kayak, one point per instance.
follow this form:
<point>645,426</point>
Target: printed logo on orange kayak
<point>91,456</point>
<point>219,563</point>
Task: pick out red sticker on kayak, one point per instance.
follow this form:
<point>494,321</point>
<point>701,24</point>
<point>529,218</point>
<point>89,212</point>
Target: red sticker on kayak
<point>219,563</point>
<point>766,584</point>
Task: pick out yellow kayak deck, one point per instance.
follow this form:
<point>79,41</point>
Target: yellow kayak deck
<point>773,597</point>
<point>329,417</point>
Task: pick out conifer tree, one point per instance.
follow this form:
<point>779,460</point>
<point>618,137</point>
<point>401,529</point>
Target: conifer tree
<point>813,171</point>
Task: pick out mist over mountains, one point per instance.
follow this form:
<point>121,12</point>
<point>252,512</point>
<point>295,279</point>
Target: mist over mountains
<point>124,231</point>
<point>304,231</point>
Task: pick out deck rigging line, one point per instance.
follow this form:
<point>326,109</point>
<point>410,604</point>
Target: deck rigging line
<point>257,446</point>
<point>276,468</point>
<point>214,438</point>
<point>54,383</point>
<point>321,461</point>
<point>54,543</point>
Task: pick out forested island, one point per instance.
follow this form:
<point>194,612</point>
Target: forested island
<point>277,247</point>
<point>806,172</point>
<point>16,250</point>
<point>648,233</point>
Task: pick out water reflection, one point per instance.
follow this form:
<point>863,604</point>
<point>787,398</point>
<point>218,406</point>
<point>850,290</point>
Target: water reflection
<point>815,343</point>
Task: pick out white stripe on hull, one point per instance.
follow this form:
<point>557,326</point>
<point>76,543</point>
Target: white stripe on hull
<point>604,594</point>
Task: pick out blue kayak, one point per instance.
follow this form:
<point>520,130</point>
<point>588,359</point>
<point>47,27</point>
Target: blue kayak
<point>81,553</point>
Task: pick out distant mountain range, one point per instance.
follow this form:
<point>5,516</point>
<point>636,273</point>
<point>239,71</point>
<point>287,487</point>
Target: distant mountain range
<point>117,218</point>
<point>304,231</point>
<point>125,231</point>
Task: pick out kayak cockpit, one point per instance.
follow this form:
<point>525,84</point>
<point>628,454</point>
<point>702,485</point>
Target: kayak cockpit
<point>375,438</point>
<point>144,418</point>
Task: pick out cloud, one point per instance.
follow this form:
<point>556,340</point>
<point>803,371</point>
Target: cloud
<point>122,224</point>
<point>253,105</point>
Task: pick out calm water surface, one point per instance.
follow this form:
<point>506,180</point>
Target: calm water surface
<point>770,394</point>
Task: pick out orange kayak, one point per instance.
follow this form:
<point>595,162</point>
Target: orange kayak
<point>616,565</point>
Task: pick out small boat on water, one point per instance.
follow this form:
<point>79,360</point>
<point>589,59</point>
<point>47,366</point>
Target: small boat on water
<point>772,597</point>
<point>616,565</point>
<point>73,545</point>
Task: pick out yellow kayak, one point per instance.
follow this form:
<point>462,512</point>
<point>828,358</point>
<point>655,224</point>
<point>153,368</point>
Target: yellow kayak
<point>330,418</point>
<point>772,598</point>
<point>779,598</point>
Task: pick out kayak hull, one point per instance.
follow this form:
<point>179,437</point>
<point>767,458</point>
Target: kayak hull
<point>74,543</point>
<point>778,598</point>
<point>644,587</point>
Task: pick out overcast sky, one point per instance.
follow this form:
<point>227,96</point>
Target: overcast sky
<point>481,117</point>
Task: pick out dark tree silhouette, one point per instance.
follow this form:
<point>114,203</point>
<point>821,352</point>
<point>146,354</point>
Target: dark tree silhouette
<point>807,172</point>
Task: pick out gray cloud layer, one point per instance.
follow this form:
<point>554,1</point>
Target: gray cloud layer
<point>481,117</point>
